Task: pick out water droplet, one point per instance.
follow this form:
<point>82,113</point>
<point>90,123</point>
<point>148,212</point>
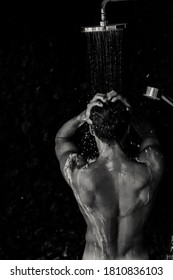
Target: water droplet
<point>65,251</point>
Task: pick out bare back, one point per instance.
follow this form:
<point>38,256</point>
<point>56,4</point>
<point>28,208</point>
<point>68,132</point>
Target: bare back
<point>113,207</point>
<point>115,198</point>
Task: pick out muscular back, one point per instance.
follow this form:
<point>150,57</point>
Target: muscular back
<point>115,197</point>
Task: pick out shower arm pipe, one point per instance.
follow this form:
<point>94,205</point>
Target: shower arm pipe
<point>103,7</point>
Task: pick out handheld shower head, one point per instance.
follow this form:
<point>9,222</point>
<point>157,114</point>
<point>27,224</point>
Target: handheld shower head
<point>152,93</point>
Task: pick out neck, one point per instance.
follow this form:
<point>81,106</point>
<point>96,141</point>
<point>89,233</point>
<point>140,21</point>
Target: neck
<point>107,152</point>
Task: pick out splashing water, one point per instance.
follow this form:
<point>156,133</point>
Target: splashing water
<point>88,145</point>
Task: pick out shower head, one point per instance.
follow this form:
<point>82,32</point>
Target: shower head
<point>105,54</point>
<point>104,28</point>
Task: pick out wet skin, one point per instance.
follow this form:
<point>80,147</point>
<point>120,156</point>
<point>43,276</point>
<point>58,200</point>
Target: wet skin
<point>115,196</point>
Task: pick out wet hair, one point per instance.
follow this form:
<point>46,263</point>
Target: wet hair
<point>110,122</point>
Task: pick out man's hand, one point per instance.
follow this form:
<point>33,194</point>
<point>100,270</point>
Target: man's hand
<point>97,100</point>
<point>113,96</point>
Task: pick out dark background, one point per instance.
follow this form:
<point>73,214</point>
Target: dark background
<point>43,82</point>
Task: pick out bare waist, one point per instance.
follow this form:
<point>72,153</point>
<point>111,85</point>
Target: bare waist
<point>94,238</point>
<point>110,252</point>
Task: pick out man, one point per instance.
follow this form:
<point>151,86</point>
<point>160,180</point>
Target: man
<point>114,193</point>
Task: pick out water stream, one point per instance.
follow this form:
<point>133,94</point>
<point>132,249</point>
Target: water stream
<point>105,60</point>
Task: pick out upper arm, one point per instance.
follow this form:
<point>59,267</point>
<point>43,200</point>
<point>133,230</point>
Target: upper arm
<point>149,141</point>
<point>151,154</point>
<point>69,158</point>
<point>64,147</point>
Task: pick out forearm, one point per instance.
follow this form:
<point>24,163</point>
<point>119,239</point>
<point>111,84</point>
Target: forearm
<point>63,142</point>
<point>70,127</point>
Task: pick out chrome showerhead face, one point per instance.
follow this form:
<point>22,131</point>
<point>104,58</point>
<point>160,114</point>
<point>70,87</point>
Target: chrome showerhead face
<point>104,28</point>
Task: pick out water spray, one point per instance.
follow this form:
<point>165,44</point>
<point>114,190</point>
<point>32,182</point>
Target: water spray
<point>105,49</point>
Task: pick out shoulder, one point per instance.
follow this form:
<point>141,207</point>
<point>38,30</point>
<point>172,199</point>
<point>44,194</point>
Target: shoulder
<point>153,157</point>
<point>70,165</point>
<point>77,172</point>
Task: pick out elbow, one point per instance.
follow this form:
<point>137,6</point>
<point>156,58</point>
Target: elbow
<point>57,151</point>
<point>58,135</point>
<point>57,146</point>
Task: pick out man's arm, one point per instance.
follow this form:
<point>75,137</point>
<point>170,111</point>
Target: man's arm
<point>64,145</point>
<point>146,132</point>
<point>150,148</point>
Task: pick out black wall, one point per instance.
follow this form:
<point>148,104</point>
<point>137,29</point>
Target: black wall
<point>43,82</point>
